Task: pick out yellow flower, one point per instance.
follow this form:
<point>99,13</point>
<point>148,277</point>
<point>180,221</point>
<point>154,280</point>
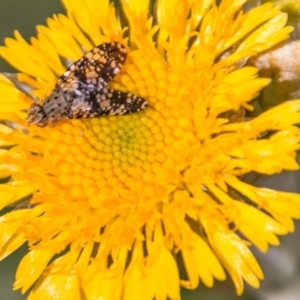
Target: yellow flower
<point>117,201</point>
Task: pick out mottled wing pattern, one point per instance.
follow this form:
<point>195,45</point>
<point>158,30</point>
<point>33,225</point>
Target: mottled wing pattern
<point>94,70</point>
<point>87,81</point>
<point>108,102</point>
<point>83,91</point>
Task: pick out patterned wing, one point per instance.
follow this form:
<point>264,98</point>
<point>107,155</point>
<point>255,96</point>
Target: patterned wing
<point>94,70</point>
<point>82,91</point>
<point>106,102</point>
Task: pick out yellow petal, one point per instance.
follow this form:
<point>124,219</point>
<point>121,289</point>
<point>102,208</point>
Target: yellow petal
<point>31,267</point>
<point>107,283</point>
<point>237,260</point>
<point>66,288</point>
<point>200,262</point>
<point>159,278</point>
<point>262,231</point>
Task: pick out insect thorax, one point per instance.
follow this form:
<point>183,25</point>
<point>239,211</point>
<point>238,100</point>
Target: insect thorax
<point>53,108</point>
<point>57,105</point>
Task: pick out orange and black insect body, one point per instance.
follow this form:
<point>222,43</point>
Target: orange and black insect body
<point>83,91</point>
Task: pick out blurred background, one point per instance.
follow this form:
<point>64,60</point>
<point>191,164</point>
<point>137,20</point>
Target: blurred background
<point>281,265</point>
